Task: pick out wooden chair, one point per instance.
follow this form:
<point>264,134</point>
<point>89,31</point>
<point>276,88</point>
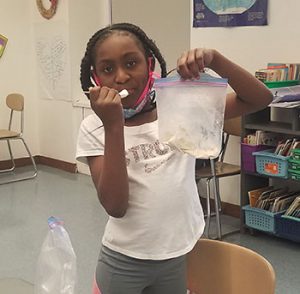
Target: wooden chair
<point>218,267</point>
<point>16,103</point>
<point>215,170</point>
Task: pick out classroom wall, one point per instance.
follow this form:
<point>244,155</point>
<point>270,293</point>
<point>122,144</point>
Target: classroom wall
<point>51,125</point>
<point>59,120</point>
<point>17,72</point>
<point>169,21</point>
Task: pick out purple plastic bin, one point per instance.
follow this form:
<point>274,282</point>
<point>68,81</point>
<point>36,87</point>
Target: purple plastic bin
<point>248,160</point>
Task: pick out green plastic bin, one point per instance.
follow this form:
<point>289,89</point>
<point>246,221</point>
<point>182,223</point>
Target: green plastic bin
<point>280,84</point>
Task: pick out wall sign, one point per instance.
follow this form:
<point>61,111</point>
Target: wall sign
<point>229,13</point>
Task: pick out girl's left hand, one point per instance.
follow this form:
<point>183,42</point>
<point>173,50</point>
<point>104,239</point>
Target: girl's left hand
<point>192,62</point>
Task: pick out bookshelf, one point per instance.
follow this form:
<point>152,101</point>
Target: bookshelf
<point>277,120</point>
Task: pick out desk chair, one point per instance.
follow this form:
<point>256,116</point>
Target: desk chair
<point>16,103</point>
<point>215,170</point>
<point>218,267</point>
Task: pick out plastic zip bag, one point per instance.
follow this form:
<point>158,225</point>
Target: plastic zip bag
<point>56,267</point>
<point>191,114</point>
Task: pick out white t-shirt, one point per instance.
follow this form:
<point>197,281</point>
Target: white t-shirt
<point>164,218</point>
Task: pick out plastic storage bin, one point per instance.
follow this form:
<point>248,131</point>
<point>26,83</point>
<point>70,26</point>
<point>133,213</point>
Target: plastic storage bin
<point>294,164</point>
<point>294,174</point>
<point>270,164</point>
<point>288,227</point>
<point>279,84</point>
<point>295,154</point>
<point>260,219</point>
<point>248,159</point>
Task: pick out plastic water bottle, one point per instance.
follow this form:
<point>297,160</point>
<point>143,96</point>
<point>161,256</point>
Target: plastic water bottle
<point>56,267</point>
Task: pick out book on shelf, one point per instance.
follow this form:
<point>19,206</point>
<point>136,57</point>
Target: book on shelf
<point>266,198</point>
<point>276,200</point>
<point>264,138</point>
<point>286,147</point>
<point>296,145</point>
<point>294,208</point>
<point>250,139</point>
<point>282,70</point>
<point>275,72</point>
<point>255,194</point>
<point>280,200</point>
<point>267,138</point>
<point>270,75</point>
<point>283,201</point>
<point>280,144</point>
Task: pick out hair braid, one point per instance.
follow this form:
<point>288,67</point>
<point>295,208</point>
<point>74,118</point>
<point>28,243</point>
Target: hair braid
<point>148,44</point>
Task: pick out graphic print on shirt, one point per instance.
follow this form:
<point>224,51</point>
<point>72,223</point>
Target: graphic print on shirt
<point>143,152</point>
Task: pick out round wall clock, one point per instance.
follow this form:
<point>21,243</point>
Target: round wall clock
<point>47,13</point>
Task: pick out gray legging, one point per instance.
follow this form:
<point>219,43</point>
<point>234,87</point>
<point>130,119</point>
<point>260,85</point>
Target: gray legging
<point>119,274</point>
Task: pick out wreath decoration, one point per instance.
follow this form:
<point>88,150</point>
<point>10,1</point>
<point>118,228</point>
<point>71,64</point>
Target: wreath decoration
<point>47,13</point>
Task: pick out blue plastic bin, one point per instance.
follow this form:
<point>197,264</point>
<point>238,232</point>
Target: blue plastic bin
<point>260,219</point>
<point>288,227</point>
<point>270,164</point>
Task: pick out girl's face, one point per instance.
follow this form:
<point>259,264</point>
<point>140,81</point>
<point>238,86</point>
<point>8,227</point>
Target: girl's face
<point>121,64</point>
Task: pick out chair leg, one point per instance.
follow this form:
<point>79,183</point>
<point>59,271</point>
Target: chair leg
<point>31,158</point>
<point>32,161</point>
<point>218,219</point>
<point>218,193</point>
<point>216,199</point>
<point>11,159</point>
<point>208,211</point>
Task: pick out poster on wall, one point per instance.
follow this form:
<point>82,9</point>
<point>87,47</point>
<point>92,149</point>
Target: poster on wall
<point>230,13</point>
<point>52,56</point>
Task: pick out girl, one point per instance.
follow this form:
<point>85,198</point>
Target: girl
<point>147,188</point>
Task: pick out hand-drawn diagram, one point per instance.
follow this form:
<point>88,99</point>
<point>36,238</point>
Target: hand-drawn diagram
<point>53,64</point>
<point>51,57</point>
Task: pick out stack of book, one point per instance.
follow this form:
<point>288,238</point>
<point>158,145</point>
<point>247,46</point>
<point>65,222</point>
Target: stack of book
<point>285,148</point>
<point>281,143</point>
<point>279,72</point>
<point>264,138</point>
<point>275,199</point>
<point>294,209</point>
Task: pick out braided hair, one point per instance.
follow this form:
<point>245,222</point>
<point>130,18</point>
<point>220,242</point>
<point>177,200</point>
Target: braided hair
<point>151,50</point>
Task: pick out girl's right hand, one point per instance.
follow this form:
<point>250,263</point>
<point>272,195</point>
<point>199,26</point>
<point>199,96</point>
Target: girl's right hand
<point>106,103</point>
